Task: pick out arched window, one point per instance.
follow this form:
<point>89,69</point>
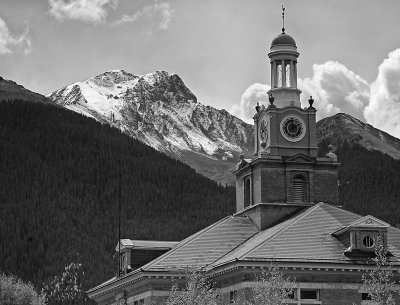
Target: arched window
<point>247,192</point>
<point>299,188</point>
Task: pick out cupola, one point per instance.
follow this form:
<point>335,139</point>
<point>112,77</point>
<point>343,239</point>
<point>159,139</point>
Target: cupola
<point>283,58</point>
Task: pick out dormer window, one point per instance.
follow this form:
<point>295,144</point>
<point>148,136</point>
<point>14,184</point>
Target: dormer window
<point>362,236</point>
<point>134,254</point>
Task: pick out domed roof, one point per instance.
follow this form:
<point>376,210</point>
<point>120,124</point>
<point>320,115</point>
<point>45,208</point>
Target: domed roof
<point>283,39</point>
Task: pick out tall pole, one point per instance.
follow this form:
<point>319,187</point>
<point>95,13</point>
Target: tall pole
<point>119,226</point>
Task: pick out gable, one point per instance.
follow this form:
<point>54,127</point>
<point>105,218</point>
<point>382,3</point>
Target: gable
<point>370,222</point>
<point>300,158</point>
<point>366,222</point>
<point>243,163</point>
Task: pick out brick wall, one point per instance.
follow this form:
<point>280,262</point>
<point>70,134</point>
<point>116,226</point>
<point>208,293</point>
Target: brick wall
<point>326,186</point>
<point>340,296</point>
<point>273,185</point>
<point>155,300</point>
<point>267,215</point>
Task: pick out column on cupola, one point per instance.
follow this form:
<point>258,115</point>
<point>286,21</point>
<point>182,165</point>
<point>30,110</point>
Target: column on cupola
<point>287,73</point>
<point>273,74</point>
<point>283,69</point>
<point>291,73</point>
<point>294,74</point>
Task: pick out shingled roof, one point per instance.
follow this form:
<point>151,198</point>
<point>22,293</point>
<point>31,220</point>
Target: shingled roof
<point>206,246</point>
<point>306,237</point>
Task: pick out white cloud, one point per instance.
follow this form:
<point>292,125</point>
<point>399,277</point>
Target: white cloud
<point>335,89</point>
<point>162,9</point>
<point>90,11</point>
<point>333,86</point>
<point>10,43</point>
<point>255,93</point>
<point>96,11</point>
<point>383,110</point>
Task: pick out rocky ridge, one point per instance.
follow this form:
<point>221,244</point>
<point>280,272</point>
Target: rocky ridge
<point>10,90</point>
<point>342,127</point>
<point>158,109</point>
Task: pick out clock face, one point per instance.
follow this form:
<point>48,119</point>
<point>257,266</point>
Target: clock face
<point>264,131</point>
<point>293,128</point>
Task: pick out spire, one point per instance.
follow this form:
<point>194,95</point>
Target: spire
<point>283,19</point>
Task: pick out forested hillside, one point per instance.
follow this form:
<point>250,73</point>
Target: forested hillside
<point>368,181</point>
<point>59,193</point>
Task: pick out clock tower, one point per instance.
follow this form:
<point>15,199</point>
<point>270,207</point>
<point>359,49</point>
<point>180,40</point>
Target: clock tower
<point>285,169</point>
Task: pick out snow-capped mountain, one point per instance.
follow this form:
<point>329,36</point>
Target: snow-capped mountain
<point>158,109</point>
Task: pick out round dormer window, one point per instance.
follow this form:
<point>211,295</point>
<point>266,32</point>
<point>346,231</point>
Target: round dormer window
<point>368,241</point>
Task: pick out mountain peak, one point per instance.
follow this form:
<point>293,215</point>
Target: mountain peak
<point>342,127</point>
<point>158,109</point>
<point>114,77</point>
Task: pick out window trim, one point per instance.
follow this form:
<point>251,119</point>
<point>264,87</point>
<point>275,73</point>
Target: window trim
<point>297,297</point>
<point>232,296</point>
<point>299,177</point>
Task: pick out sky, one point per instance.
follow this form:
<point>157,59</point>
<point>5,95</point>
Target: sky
<point>349,49</point>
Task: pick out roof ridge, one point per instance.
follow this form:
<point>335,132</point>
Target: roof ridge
<point>184,242</point>
<point>251,220</point>
<point>394,228</point>
<point>294,220</point>
<point>339,208</point>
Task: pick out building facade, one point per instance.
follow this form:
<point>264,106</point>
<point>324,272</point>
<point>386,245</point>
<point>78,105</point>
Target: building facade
<point>287,213</point>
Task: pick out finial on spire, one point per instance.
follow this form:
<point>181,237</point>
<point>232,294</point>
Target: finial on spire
<point>283,19</point>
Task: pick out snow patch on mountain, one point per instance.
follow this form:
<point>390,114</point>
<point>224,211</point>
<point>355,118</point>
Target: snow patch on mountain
<point>158,109</point>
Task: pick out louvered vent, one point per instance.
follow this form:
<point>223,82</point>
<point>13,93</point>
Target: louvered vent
<point>298,189</point>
